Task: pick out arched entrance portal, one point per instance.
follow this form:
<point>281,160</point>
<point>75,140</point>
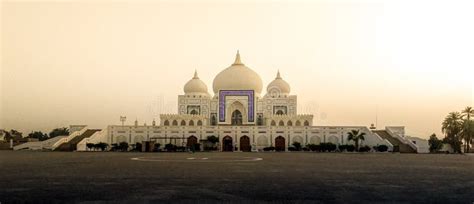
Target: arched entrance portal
<point>227,144</point>
<point>236,118</point>
<point>280,143</point>
<point>245,144</point>
<point>191,141</point>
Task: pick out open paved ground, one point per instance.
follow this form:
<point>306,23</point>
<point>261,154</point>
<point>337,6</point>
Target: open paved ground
<point>46,177</point>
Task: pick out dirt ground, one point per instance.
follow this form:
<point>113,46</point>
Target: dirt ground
<point>111,177</point>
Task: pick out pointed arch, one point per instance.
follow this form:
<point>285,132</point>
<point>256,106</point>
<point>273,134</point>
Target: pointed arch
<point>199,123</point>
<point>273,123</point>
<point>298,139</point>
<point>298,123</point>
<point>315,140</point>
<point>183,123</point>
<point>175,123</point>
<point>191,123</point>
<point>281,123</point>
<point>236,118</point>
<point>306,123</point>
<point>289,123</point>
<point>167,123</point>
<point>262,141</point>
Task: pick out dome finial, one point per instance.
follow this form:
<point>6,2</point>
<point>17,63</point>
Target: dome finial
<point>237,59</point>
<point>278,75</point>
<point>195,74</point>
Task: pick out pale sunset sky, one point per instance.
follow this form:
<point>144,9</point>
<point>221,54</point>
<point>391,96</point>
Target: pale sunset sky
<point>88,62</point>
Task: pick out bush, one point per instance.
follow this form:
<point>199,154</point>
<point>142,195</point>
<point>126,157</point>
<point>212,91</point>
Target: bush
<point>266,149</point>
<point>314,147</point>
<point>156,148</point>
<point>347,148</point>
<point>170,147</point>
<point>137,147</point>
<point>328,147</point>
<point>364,149</point>
<point>123,146</point>
<point>382,148</point>
<point>435,143</point>
<point>351,148</point>
<point>197,147</point>
<point>114,147</point>
<point>292,149</point>
<point>90,146</point>
<point>305,149</point>
<point>180,148</point>
<point>297,146</point>
<point>207,148</point>
<point>342,148</point>
<point>101,145</point>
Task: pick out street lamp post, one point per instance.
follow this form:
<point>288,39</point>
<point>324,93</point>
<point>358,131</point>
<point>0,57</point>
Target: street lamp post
<point>123,119</point>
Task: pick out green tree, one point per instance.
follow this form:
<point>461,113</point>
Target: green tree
<point>212,139</point>
<point>59,132</point>
<point>90,146</point>
<point>297,146</point>
<point>102,146</point>
<point>13,134</point>
<point>468,127</point>
<point>452,127</point>
<point>435,143</point>
<point>356,136</point>
<point>123,146</point>
<point>38,135</point>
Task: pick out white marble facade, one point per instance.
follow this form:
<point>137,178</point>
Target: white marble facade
<point>239,115</point>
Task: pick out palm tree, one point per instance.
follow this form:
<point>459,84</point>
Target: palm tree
<point>452,127</point>
<point>467,131</point>
<point>356,135</point>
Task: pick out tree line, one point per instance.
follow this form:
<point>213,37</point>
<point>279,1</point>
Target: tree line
<point>458,130</point>
<point>16,135</point>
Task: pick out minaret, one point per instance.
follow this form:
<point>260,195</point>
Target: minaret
<point>136,122</point>
<point>237,59</point>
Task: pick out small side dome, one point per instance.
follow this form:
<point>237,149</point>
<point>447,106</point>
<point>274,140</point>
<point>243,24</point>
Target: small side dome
<point>195,86</point>
<point>278,86</point>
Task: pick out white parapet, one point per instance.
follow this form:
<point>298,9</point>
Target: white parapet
<point>100,136</point>
<point>68,138</point>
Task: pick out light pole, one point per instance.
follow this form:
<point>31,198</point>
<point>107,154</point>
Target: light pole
<point>123,119</point>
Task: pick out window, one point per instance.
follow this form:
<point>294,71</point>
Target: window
<point>236,118</point>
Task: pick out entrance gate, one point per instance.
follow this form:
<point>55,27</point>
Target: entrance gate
<point>245,144</point>
<point>227,144</point>
<point>280,143</point>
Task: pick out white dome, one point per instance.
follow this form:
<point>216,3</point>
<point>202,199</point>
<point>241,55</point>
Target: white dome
<point>238,77</point>
<point>195,86</point>
<point>278,85</point>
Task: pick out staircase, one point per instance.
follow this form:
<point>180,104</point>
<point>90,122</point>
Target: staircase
<point>71,145</point>
<point>398,146</point>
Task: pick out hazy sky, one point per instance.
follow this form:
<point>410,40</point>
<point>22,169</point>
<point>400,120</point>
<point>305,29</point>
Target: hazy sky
<point>88,62</point>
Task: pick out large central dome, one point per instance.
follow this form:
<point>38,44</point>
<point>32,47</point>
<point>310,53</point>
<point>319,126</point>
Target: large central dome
<point>237,77</point>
